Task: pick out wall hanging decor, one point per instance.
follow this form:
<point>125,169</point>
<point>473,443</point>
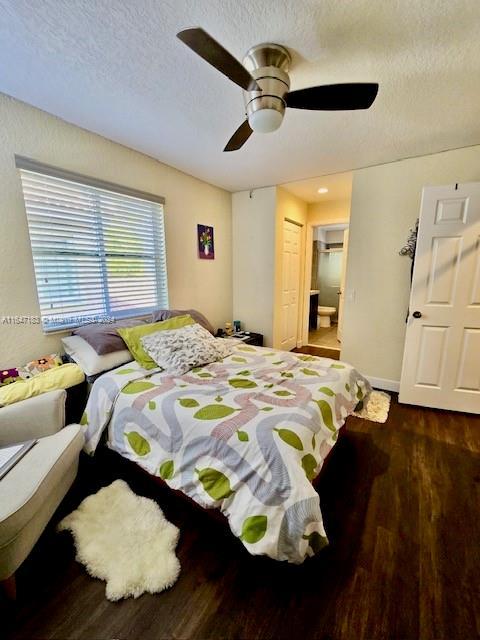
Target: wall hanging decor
<point>206,248</point>
<point>409,248</point>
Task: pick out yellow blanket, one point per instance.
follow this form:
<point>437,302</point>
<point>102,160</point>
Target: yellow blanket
<point>63,377</point>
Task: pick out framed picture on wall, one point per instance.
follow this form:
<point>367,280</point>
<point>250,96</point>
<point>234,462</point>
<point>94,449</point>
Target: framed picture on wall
<point>206,247</point>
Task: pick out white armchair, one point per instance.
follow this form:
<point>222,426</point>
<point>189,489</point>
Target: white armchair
<point>33,418</point>
<point>32,490</point>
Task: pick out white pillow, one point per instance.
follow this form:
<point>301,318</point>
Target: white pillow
<point>88,359</point>
<point>179,350</point>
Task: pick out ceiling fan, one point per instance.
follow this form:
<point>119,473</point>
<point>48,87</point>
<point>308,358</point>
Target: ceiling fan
<point>265,83</point>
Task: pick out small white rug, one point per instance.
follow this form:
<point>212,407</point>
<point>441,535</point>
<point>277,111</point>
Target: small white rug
<point>125,540</point>
<point>376,408</point>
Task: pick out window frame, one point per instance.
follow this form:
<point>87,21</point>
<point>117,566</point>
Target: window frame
<point>159,256</point>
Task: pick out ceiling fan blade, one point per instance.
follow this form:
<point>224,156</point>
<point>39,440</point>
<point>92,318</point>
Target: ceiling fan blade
<point>210,50</point>
<point>334,97</point>
<point>239,138</point>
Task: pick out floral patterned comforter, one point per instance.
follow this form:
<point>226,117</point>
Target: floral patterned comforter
<point>246,435</point>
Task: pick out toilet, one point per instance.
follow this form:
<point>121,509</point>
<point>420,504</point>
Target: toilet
<point>324,315</point>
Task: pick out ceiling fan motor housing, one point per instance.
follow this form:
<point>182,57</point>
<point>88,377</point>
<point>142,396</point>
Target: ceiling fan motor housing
<point>268,64</point>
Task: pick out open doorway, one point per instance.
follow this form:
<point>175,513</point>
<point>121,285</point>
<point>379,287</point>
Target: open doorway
<point>329,249</point>
<point>325,205</point>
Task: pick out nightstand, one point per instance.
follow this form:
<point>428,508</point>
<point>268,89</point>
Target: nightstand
<point>248,337</point>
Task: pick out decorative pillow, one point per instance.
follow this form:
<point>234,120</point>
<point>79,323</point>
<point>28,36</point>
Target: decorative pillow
<point>166,314</point>
<point>33,368</point>
<point>104,338</point>
<point>42,364</point>
<point>180,350</point>
<point>88,359</point>
<point>134,336</point>
<point>7,376</point>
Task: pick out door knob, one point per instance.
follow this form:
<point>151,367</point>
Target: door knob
<point>417,314</point>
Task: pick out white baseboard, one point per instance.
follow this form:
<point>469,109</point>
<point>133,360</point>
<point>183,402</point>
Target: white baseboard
<point>384,383</point>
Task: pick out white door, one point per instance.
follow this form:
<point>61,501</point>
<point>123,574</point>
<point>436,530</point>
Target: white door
<point>441,362</point>
<point>341,293</point>
<point>290,284</point>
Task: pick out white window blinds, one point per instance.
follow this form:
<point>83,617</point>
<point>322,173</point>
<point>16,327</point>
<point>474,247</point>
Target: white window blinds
<point>97,253</point>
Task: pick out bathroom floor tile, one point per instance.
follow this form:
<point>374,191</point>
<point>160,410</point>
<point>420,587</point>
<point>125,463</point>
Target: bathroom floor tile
<point>326,337</point>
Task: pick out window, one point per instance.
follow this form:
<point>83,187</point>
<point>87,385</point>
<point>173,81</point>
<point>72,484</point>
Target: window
<point>98,249</point>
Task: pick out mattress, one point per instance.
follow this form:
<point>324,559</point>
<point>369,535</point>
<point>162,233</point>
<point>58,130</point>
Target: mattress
<point>246,435</point>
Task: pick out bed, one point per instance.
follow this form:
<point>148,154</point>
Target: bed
<point>246,435</point>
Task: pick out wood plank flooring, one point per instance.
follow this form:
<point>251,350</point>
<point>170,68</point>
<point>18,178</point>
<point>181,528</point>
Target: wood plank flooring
<point>401,506</point>
<point>333,354</point>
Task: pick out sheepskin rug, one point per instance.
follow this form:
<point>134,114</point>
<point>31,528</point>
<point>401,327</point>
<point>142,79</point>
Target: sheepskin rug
<point>125,540</point>
<point>376,407</point>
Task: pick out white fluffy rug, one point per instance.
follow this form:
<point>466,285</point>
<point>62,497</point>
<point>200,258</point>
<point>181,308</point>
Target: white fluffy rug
<point>376,408</point>
<point>126,540</point>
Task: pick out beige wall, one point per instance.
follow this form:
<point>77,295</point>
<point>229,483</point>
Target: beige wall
<point>257,257</point>
<point>253,222</point>
<point>202,284</point>
<point>288,207</point>
<point>329,212</point>
<point>385,204</point>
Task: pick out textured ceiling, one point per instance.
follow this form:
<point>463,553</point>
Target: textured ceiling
<point>116,68</point>
<point>339,187</point>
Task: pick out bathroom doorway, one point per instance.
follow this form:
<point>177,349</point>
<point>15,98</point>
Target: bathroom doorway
<point>329,250</point>
<point>324,204</point>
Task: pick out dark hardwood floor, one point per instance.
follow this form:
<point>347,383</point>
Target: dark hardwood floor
<point>323,352</point>
<point>401,505</point>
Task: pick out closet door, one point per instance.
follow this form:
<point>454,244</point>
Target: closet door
<point>290,284</point>
<point>441,363</point>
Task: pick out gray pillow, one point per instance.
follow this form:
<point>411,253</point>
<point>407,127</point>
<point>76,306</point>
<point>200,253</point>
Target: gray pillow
<point>166,314</point>
<point>104,337</point>
<point>179,350</point>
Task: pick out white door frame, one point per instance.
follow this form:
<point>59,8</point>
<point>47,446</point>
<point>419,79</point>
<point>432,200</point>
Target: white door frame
<point>343,279</point>
<point>307,278</point>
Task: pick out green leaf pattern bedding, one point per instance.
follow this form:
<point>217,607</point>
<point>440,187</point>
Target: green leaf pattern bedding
<point>247,435</point>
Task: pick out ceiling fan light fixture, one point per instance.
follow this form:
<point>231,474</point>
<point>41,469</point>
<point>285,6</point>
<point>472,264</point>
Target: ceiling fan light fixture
<point>265,120</point>
<point>264,78</point>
